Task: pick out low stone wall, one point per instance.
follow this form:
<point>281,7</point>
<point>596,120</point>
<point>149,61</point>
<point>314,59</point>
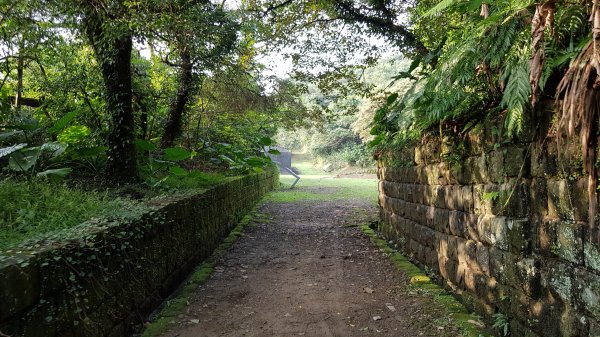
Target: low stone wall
<point>107,281</point>
<point>503,224</point>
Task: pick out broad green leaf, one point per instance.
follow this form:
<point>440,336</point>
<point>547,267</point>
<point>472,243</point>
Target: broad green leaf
<point>24,160</point>
<point>63,122</point>
<point>226,158</point>
<point>5,151</point>
<point>54,148</point>
<point>265,141</point>
<point>144,145</point>
<point>26,125</point>
<point>255,161</point>
<point>55,173</point>
<point>74,134</point>
<point>176,154</point>
<point>392,98</point>
<point>376,141</point>
<point>7,135</point>
<point>177,170</point>
<point>274,151</point>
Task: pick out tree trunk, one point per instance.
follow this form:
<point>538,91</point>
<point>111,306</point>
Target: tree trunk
<point>177,109</point>
<point>20,66</point>
<point>142,109</point>
<point>113,52</point>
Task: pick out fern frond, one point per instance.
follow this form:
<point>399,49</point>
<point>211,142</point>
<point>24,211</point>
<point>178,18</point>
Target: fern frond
<point>445,4</point>
<point>516,97</point>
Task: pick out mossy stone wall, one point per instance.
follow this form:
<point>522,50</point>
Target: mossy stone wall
<point>505,224</point>
<point>108,280</point>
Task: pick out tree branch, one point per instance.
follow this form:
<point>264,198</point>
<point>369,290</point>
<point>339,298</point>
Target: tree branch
<point>383,25</point>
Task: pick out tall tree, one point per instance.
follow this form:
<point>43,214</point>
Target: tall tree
<point>198,35</point>
<point>105,25</point>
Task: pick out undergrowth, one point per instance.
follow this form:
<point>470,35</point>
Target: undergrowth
<point>33,208</point>
<point>193,180</point>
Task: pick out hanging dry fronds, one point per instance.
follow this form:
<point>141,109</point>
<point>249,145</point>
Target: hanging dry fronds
<point>580,92</point>
<point>595,19</point>
<point>542,19</point>
<point>485,11</point>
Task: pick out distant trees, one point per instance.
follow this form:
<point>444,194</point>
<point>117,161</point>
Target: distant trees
<point>118,72</point>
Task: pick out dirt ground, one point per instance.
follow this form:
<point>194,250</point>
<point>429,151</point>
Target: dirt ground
<point>305,269</point>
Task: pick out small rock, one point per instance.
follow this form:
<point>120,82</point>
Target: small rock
<point>376,318</point>
<point>390,307</point>
<point>368,290</point>
<point>195,321</point>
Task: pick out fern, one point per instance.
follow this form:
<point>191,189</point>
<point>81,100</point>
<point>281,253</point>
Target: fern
<point>487,60</point>
<point>445,4</point>
<point>516,96</point>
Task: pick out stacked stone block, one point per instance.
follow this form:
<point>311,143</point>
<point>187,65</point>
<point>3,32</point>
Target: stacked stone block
<point>108,280</point>
<point>506,226</point>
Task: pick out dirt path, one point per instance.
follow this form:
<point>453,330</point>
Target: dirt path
<point>307,270</point>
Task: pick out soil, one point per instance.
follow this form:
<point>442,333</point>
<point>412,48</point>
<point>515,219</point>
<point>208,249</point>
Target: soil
<point>305,269</point>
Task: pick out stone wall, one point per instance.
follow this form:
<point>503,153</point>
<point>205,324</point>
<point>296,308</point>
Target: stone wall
<point>502,223</point>
<point>107,280</point>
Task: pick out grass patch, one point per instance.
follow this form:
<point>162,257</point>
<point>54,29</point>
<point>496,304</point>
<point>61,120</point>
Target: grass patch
<point>317,185</point>
<point>306,167</point>
<point>176,306</point>
<point>422,284</point>
<point>172,308</point>
<point>193,180</point>
<point>319,188</point>
<point>34,208</point>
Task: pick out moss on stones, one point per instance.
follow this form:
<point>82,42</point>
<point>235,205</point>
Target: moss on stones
<point>469,324</point>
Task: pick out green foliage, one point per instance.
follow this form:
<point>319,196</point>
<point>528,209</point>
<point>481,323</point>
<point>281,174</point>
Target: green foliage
<point>490,196</point>
<point>482,63</point>
<point>193,179</point>
<point>74,135</point>
<point>501,323</point>
<point>176,154</point>
<point>342,139</point>
<point>516,96</point>
<point>39,160</point>
<point>35,208</point>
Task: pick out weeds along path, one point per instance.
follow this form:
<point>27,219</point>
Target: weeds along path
<point>305,268</point>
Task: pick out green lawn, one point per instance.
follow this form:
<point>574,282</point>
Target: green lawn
<point>34,208</point>
<point>315,184</point>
